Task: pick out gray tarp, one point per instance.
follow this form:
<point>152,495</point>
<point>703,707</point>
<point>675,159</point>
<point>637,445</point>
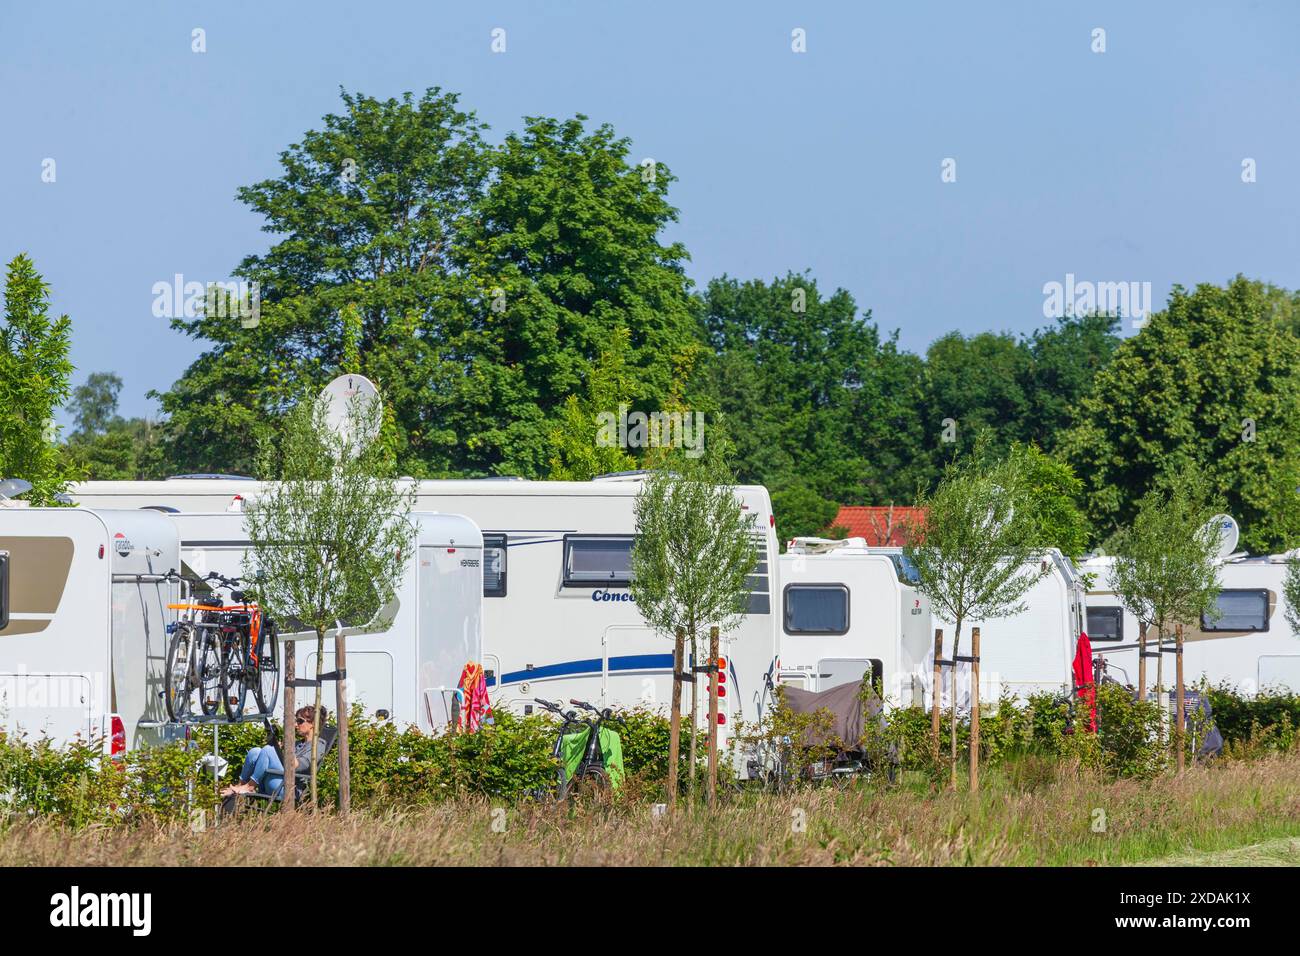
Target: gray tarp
<point>846,706</point>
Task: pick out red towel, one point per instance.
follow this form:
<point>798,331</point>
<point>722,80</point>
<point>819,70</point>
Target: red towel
<point>475,707</point>
<point>1085,690</point>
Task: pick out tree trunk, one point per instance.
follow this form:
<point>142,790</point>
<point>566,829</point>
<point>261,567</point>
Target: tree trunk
<point>341,700</point>
<point>936,696</point>
<point>695,725</point>
<point>1142,662</point>
<point>952,762</point>
<point>315,716</point>
<point>975,710</point>
<point>1160,685</point>
<point>1182,705</point>
<point>712,783</point>
<point>675,718</point>
<point>289,738</point>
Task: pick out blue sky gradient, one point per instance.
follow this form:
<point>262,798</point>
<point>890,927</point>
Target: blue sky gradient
<point>1118,166</point>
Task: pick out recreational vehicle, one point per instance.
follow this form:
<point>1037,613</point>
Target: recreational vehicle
<point>1248,643</point>
<point>873,611</point>
<point>558,617</point>
<point>406,660</point>
<point>83,623</point>
<point>847,611</point>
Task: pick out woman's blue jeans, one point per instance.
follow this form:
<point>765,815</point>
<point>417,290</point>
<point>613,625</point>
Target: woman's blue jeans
<point>263,767</point>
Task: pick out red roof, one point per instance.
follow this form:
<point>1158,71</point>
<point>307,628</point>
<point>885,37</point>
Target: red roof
<point>882,527</point>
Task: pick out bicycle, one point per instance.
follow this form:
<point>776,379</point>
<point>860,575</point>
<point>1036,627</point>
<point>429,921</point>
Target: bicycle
<point>193,662</point>
<point>249,653</point>
<point>591,770</point>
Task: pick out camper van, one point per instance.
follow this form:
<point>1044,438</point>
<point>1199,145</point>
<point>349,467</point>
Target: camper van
<point>406,661</point>
<point>848,611</point>
<point>1025,653</point>
<point>558,618</point>
<point>1248,644</point>
<point>83,624</point>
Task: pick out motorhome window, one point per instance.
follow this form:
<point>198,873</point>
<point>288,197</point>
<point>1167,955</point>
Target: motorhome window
<point>816,609</point>
<point>758,582</point>
<point>905,569</point>
<point>595,560</point>
<point>1239,610</point>
<point>1105,624</point>
<point>4,590</point>
<point>494,565</point>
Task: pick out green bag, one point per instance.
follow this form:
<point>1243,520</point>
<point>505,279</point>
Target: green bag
<point>573,746</point>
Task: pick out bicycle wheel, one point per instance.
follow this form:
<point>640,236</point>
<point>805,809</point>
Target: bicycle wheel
<point>266,677</point>
<point>209,673</point>
<point>180,682</point>
<point>589,781</point>
<point>234,675</point>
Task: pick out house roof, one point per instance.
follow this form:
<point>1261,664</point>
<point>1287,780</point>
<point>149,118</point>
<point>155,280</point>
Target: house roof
<point>876,524</point>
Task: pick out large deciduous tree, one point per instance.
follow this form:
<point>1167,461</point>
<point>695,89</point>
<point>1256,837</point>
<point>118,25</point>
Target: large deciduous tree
<point>1213,382</point>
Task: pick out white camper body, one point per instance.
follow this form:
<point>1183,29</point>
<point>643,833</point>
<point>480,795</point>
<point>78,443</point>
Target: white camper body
<point>558,620</point>
<point>407,661</point>
<point>846,610</point>
<point>1250,645</point>
<point>1023,654</point>
<point>83,623</point>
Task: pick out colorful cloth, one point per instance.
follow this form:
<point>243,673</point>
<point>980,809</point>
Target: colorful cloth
<point>475,706</point>
<point>1085,689</point>
<point>573,747</point>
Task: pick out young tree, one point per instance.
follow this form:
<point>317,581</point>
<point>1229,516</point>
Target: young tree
<point>1166,568</point>
<point>694,549</point>
<point>970,552</point>
<point>1291,593</point>
<point>331,537</point>
<point>34,370</point>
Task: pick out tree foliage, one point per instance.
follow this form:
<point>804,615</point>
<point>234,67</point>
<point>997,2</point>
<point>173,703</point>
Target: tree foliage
<point>34,372</point>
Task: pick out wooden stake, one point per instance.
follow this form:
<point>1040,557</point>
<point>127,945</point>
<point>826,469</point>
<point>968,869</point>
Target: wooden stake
<point>975,710</point>
<point>675,717</point>
<point>1182,707</point>
<point>341,701</point>
<point>713,718</point>
<point>288,738</point>
<point>936,695</point>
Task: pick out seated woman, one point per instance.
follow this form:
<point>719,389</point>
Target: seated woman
<point>264,772</point>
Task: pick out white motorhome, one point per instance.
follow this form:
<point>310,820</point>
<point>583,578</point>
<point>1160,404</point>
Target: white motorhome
<point>847,610</point>
<point>83,623</point>
<point>1249,644</point>
<point>405,663</point>
<point>558,619</point>
<point>1022,654</point>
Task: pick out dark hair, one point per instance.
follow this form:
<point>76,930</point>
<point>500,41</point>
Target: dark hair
<point>305,713</point>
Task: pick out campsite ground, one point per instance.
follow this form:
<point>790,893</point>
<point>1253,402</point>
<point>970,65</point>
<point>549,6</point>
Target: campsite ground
<point>1233,813</point>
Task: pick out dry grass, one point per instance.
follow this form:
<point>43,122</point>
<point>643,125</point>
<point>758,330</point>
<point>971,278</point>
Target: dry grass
<point>1034,816</point>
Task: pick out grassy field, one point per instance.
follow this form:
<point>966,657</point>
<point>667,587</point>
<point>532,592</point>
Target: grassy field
<point>1033,813</point>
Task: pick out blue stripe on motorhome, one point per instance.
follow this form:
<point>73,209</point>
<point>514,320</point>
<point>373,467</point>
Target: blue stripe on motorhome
<point>629,662</point>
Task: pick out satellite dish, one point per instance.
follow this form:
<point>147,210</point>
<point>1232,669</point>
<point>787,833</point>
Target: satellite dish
<point>1225,526</point>
<point>352,409</point>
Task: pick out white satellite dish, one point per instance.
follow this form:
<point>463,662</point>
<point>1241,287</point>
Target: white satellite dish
<point>352,403</point>
<point>1225,526</point>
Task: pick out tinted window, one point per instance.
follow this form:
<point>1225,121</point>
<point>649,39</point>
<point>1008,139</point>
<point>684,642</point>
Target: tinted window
<point>816,609</point>
<point>1239,610</point>
<point>598,559</point>
<point>494,565</point>
<point>1105,624</point>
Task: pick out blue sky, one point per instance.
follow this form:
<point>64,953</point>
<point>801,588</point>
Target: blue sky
<point>1115,166</point>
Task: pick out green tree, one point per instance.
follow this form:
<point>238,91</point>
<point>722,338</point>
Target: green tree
<point>1166,568</point>
<point>328,538</point>
<point>1054,491</point>
<point>103,446</point>
<point>365,212</point>
<point>1213,382</point>
<point>970,553</point>
<point>94,403</point>
<point>801,512</point>
<point>1064,360</point>
<point>34,372</point>
<point>563,250</point>
<point>980,383</point>
<point>694,550</point>
<point>577,453</point>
